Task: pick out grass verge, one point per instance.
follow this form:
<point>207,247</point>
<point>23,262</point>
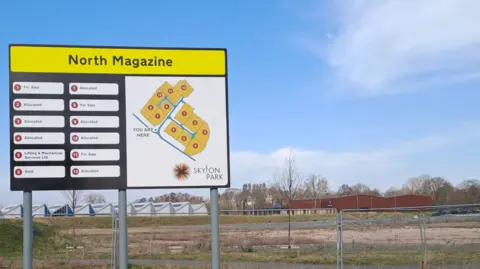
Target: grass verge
<point>44,238</point>
<point>374,258</point>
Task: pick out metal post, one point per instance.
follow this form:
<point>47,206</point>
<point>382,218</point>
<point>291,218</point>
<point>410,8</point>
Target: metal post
<point>114,239</point>
<point>27,230</point>
<point>341,239</point>
<point>338,228</point>
<point>215,228</point>
<point>123,230</point>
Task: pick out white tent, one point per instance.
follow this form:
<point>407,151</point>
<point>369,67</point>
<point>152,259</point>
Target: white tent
<point>199,209</point>
<point>12,211</point>
<point>102,210</point>
<point>84,210</point>
<point>183,208</point>
<point>60,210</point>
<point>144,209</point>
<point>130,209</point>
<point>40,211</point>
<point>164,209</point>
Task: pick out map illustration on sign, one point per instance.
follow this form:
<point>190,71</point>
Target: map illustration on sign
<point>167,108</point>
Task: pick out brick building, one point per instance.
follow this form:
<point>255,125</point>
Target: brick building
<point>363,202</point>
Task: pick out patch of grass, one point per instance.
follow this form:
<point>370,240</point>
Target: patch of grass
<point>155,221</point>
<point>11,237</point>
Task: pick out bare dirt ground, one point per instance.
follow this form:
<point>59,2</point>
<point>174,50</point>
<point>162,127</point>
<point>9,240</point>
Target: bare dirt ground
<point>161,240</point>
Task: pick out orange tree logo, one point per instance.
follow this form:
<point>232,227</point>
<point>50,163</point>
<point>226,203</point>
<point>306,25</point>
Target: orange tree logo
<point>181,171</point>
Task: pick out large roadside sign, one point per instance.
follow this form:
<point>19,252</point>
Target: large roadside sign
<point>118,118</point>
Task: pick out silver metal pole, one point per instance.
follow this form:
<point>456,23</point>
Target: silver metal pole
<point>338,228</point>
<point>215,228</point>
<point>123,230</point>
<point>27,230</point>
<point>341,239</point>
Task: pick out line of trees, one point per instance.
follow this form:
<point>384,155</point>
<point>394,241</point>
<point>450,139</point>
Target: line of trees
<point>288,184</point>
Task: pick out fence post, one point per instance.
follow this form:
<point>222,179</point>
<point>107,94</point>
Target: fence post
<point>337,228</point>
<point>341,240</point>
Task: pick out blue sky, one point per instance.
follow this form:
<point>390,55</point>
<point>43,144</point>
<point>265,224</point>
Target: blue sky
<point>361,93</point>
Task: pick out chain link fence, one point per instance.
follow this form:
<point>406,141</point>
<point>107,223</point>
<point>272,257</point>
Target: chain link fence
<point>374,237</point>
<point>422,236</point>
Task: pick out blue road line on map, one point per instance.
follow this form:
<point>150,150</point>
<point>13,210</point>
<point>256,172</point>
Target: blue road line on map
<point>165,98</point>
<point>168,142</point>
<point>146,126</point>
<point>161,137</point>
<point>181,126</point>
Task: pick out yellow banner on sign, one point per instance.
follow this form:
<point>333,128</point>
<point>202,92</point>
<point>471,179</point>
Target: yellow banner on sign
<point>134,61</point>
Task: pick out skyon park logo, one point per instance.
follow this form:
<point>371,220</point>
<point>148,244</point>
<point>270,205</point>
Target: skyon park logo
<point>181,171</point>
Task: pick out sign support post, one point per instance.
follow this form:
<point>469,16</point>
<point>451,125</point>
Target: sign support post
<point>215,228</point>
<point>27,230</point>
<point>123,230</point>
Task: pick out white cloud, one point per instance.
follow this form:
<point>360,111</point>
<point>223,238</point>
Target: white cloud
<point>371,167</point>
<point>389,46</point>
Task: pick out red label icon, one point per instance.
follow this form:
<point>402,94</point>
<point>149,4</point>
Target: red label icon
<point>18,155</point>
<point>159,94</point>
<point>18,172</point>
<point>17,87</point>
<point>75,155</point>
<point>74,121</point>
<point>170,91</point>
<point>195,145</point>
<point>75,138</point>
<point>150,107</point>
<point>74,104</point>
<point>166,106</point>
<point>204,132</point>
<point>18,121</point>
<point>18,138</point>
<point>174,129</point>
<point>184,87</point>
<point>75,171</point>
<point>184,113</point>
<point>195,122</point>
<point>17,104</point>
<point>74,88</point>
<point>184,138</point>
<point>157,116</point>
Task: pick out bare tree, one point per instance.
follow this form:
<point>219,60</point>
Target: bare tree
<point>316,186</point>
<point>289,181</point>
<point>344,190</point>
<point>94,198</point>
<point>416,185</point>
<point>74,197</point>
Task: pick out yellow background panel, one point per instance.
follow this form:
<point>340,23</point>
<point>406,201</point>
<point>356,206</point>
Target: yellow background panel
<point>55,59</point>
<point>157,117</point>
<point>185,109</point>
<point>166,107</point>
<point>146,111</point>
<point>173,130</point>
<point>184,135</point>
<point>191,150</point>
<point>203,133</point>
<point>190,123</point>
<point>183,88</point>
